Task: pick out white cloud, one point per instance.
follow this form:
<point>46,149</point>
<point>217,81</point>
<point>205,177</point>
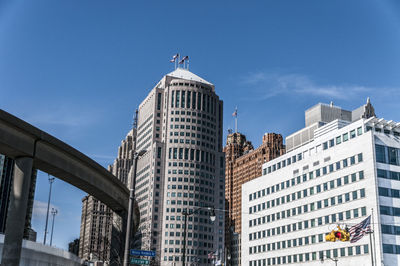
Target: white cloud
<point>70,117</point>
<point>40,209</point>
<point>266,85</point>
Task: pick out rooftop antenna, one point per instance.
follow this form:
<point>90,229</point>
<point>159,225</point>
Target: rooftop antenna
<point>235,114</point>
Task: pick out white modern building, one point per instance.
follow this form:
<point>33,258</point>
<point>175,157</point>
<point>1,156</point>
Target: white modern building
<point>340,169</point>
<point>180,128</point>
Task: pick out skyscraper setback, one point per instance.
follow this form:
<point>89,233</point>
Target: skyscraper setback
<point>180,127</point>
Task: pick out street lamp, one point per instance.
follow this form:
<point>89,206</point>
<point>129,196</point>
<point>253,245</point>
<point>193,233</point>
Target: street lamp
<point>186,214</point>
<point>54,213</point>
<point>136,156</point>
<point>332,259</point>
<point>51,180</point>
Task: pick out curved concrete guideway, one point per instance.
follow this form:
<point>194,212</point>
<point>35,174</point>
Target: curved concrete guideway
<point>32,147</point>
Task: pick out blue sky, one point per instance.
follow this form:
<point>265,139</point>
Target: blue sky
<point>78,69</point>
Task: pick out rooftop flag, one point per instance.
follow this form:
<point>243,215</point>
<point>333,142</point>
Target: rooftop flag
<point>359,230</point>
<point>235,113</point>
<point>174,58</point>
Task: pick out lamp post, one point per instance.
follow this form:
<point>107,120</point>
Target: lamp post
<point>332,259</point>
<point>186,214</point>
<point>54,213</point>
<point>131,198</point>
<point>51,180</point>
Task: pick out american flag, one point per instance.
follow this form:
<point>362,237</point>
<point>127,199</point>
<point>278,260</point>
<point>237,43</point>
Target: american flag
<point>359,230</point>
<point>235,113</point>
<point>174,58</point>
<point>211,255</point>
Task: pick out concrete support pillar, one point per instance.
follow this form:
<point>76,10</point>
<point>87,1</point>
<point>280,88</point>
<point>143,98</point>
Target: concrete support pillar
<point>17,212</point>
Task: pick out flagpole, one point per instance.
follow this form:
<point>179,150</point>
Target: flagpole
<point>236,120</point>
<point>373,234</point>
<point>371,249</point>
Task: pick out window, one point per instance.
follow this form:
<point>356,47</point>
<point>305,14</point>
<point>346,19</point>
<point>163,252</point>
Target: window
<point>359,131</point>
<point>345,137</point>
<point>350,251</point>
<point>380,154</point>
<point>325,145</point>
<point>338,140</point>
<point>353,134</point>
<point>331,143</point>
<point>361,175</point>
<point>392,152</point>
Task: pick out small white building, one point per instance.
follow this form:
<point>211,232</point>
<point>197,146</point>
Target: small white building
<point>338,174</point>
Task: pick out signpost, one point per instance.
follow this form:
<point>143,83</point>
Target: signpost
<point>140,261</point>
<point>146,253</point>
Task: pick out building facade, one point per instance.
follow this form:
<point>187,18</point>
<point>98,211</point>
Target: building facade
<point>348,170</point>
<point>180,128</point>
<point>97,220</point>
<point>243,163</point>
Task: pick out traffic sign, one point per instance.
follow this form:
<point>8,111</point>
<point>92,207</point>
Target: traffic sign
<point>148,253</point>
<point>140,261</point>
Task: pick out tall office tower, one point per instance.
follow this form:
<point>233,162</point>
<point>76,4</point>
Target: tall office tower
<point>95,231</point>
<point>180,127</point>
<point>348,171</point>
<point>6,178</point>
<point>98,220</point>
<point>242,164</point>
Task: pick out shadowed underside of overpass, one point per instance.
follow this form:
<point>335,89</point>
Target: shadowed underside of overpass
<point>31,148</point>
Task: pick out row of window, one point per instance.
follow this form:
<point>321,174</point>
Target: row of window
<point>329,202</point>
<point>390,229</point>
<point>389,192</point>
<point>203,173</point>
<point>191,180</point>
<point>389,174</point>
<point>388,155</point>
<point>305,177</point>
<point>194,121</point>
<point>391,249</point>
<point>194,114</point>
<point>343,138</point>
<point>392,211</point>
<point>328,219</point>
<point>308,192</point>
<point>194,100</point>
<point>312,256</point>
<point>325,145</point>
<point>193,135</point>
<point>191,154</point>
<point>193,142</point>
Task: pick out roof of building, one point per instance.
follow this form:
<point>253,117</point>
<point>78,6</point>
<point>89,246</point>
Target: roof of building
<point>182,73</point>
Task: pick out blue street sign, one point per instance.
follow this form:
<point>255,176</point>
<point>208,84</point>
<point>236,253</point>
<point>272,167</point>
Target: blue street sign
<point>148,253</point>
<point>140,261</point>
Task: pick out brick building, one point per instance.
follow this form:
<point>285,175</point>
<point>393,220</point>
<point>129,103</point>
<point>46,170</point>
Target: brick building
<point>243,163</point>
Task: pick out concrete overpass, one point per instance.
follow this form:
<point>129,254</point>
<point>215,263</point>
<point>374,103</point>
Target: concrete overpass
<point>31,148</point>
